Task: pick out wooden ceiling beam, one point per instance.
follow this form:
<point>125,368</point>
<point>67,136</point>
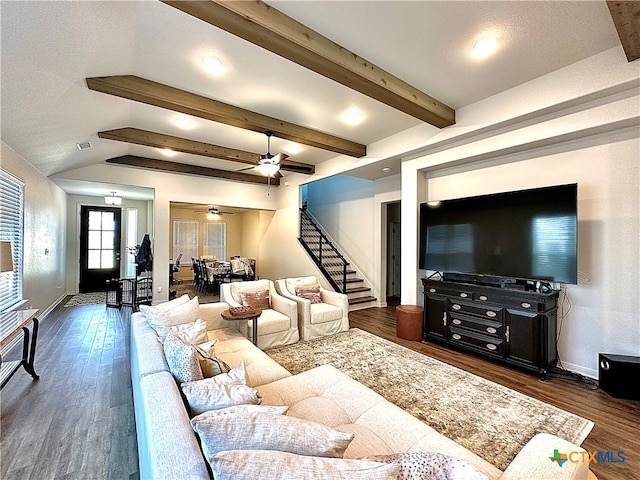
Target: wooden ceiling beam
<point>263,25</point>
<point>174,167</point>
<point>184,145</point>
<point>146,91</point>
<point>626,18</point>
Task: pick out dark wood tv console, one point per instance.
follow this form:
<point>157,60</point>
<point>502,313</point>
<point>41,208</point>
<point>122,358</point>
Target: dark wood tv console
<point>517,327</point>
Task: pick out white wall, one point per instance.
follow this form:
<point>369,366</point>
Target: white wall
<point>44,229</point>
<point>590,135</point>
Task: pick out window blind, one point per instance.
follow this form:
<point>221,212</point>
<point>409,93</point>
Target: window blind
<point>215,239</point>
<point>11,229</point>
<point>185,239</point>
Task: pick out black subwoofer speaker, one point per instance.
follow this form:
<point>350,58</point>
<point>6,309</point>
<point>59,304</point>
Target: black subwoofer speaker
<point>619,374</point>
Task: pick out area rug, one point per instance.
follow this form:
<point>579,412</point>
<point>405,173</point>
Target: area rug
<point>86,299</point>
<point>493,421</point>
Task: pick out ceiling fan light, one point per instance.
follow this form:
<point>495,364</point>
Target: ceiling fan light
<point>268,169</point>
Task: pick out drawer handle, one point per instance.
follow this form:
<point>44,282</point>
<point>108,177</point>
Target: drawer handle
<point>455,321</point>
<point>464,295</point>
<point>483,298</point>
<point>455,306</point>
<point>432,290</point>
<point>491,330</point>
<point>491,314</point>
<point>525,305</point>
<point>455,336</point>
<point>491,346</point>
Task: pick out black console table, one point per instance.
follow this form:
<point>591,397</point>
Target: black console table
<point>10,326</point>
<point>514,326</point>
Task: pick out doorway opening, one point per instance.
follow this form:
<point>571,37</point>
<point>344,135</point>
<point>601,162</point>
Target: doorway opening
<point>394,253</point>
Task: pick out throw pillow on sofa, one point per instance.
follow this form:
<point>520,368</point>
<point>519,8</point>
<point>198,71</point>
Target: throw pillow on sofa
<point>257,300</point>
<point>165,306</point>
<point>186,313</point>
<point>209,363</point>
<point>245,409</point>
<point>252,464</point>
<point>194,333</point>
<point>265,431</point>
<point>221,391</point>
<point>205,395</point>
<point>182,360</point>
<point>431,466</point>
<point>311,293</point>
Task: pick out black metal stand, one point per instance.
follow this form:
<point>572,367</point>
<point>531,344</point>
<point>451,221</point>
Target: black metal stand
<point>28,356</point>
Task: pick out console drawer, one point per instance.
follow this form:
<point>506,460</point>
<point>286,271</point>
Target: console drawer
<point>521,301</point>
<point>486,326</point>
<point>486,311</point>
<point>431,290</point>
<point>487,344</point>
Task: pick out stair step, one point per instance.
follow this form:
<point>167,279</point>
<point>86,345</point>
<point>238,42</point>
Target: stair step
<point>339,271</point>
<point>358,290</point>
<point>355,301</point>
<point>350,280</point>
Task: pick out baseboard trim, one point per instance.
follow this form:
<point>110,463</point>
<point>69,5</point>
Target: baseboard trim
<point>587,372</point>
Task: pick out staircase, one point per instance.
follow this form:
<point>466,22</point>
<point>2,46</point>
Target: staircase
<point>331,262</point>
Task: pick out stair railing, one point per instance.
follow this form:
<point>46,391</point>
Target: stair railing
<point>306,220</point>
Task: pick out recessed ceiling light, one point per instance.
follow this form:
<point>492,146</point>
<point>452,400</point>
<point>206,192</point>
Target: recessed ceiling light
<point>352,117</point>
<point>213,64</point>
<point>293,148</point>
<point>485,47</point>
<point>167,152</point>
<point>184,122</point>
<point>386,169</point>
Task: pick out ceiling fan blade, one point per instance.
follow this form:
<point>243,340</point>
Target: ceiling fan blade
<point>297,167</point>
<point>225,213</point>
<point>279,157</point>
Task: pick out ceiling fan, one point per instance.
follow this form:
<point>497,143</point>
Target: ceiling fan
<point>269,164</point>
<point>213,211</point>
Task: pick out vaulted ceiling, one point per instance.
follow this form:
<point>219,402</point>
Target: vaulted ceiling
<point>129,79</point>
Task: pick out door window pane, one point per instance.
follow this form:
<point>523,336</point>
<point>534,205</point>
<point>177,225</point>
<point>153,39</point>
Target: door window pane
<point>94,240</point>
<point>106,259</point>
<point>95,220</point>
<point>107,240</point>
<point>93,259</point>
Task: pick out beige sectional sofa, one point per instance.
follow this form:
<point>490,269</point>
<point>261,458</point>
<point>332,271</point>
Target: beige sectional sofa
<point>169,449</point>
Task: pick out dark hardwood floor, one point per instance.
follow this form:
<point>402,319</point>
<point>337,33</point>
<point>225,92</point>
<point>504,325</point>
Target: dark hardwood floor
<point>77,421</point>
<point>617,422</point>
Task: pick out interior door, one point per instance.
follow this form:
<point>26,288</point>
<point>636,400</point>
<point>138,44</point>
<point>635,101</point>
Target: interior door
<point>99,247</point>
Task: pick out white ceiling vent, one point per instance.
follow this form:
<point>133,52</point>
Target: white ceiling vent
<point>83,145</point>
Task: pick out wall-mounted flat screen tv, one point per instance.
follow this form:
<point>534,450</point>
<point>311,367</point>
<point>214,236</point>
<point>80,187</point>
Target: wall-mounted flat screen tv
<point>526,234</point>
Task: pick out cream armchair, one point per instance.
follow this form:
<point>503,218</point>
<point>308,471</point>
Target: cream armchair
<point>330,315</point>
<point>278,325</point>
